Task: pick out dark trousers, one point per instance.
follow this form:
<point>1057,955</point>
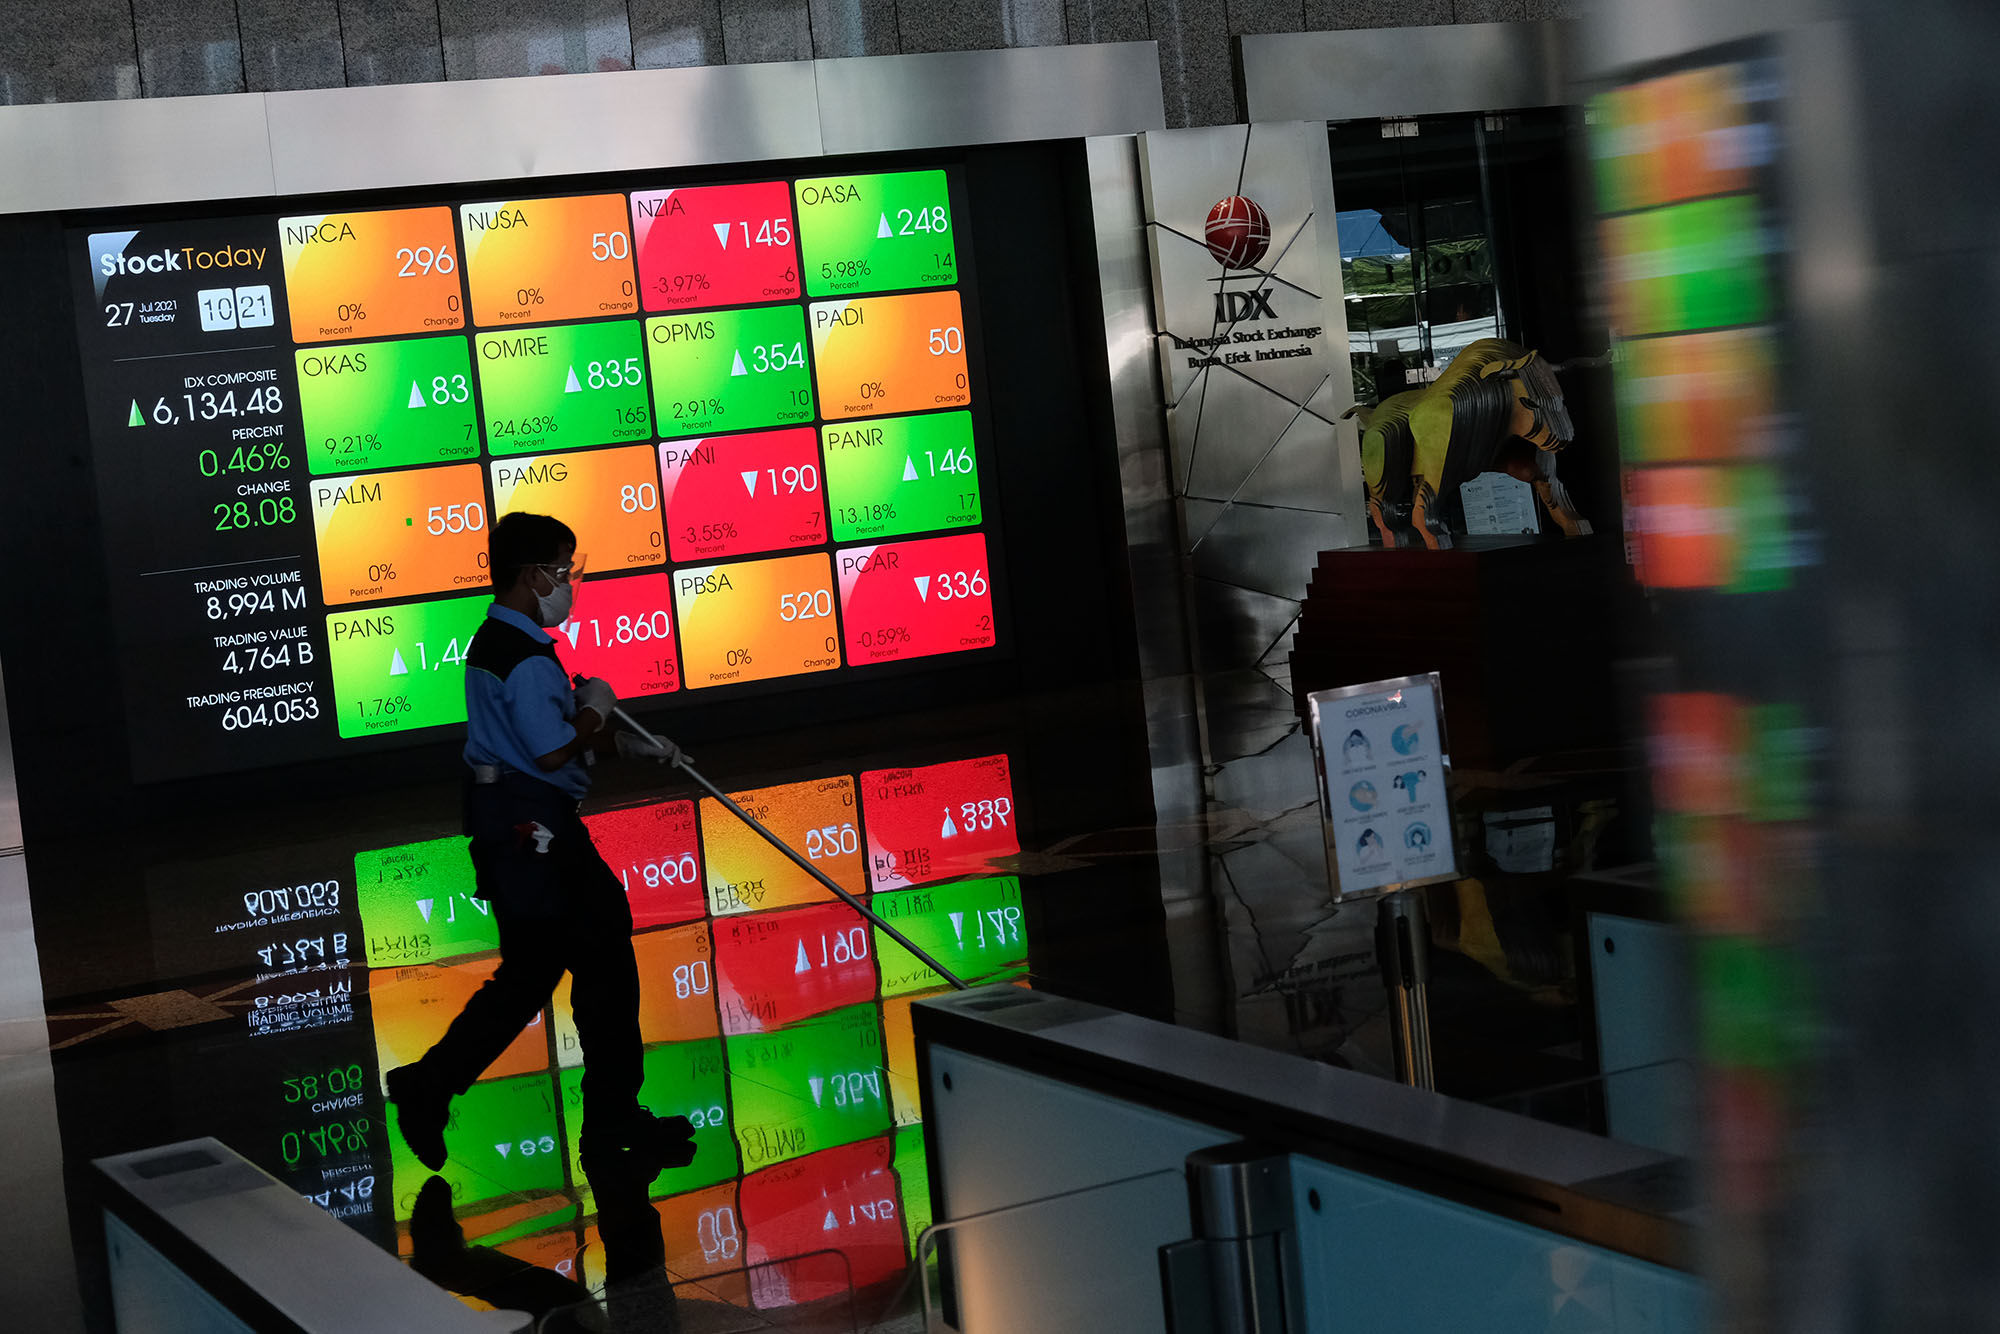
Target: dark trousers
<point>559,909</point>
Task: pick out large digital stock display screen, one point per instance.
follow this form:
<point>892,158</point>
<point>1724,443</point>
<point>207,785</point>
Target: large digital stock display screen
<point>759,404</point>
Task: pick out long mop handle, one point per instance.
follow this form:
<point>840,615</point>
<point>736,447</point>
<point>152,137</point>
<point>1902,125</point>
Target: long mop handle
<point>681,763</point>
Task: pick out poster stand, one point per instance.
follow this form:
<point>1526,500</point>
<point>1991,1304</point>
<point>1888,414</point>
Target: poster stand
<point>1383,763</point>
<point>1403,950</point>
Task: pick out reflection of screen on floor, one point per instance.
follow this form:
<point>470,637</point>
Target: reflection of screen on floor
<point>817,1084</point>
<point>972,927</point>
<point>504,1140</point>
<point>849,1200</point>
<point>418,904</point>
<point>656,854</point>
<point>412,1005</point>
<point>938,821</point>
<point>762,1010</point>
<point>777,968</point>
<point>747,874</point>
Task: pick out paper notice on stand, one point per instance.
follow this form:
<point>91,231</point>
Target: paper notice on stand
<point>1497,503</point>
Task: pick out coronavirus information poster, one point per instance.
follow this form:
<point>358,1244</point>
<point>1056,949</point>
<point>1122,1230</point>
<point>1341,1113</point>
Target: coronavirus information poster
<point>1383,765</point>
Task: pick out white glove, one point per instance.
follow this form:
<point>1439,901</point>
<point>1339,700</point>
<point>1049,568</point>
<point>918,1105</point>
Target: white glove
<point>632,746</point>
<point>597,695</point>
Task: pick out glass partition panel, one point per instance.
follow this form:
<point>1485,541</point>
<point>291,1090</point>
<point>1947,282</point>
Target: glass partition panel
<point>1013,1268</point>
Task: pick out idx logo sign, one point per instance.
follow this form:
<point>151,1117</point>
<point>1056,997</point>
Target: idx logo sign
<point>1237,307</point>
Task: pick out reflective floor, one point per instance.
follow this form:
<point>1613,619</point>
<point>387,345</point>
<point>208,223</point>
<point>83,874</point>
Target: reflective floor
<point>255,984</point>
<point>259,993</point>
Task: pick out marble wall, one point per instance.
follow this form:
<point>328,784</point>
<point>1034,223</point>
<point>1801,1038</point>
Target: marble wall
<point>85,50</point>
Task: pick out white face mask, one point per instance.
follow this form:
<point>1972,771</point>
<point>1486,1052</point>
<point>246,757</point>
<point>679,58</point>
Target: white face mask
<point>553,607</point>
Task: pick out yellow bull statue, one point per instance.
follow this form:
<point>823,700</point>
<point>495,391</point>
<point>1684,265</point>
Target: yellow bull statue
<point>1418,446</point>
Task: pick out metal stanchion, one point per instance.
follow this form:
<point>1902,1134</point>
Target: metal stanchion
<point>681,762</point>
<point>1239,1273</point>
<point>1403,949</point>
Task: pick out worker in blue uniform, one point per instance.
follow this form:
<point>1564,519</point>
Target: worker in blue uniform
<point>558,907</point>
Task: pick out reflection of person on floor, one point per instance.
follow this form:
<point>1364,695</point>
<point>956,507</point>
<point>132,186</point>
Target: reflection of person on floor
<point>637,1295</point>
<point>438,1252</point>
<point>558,907</point>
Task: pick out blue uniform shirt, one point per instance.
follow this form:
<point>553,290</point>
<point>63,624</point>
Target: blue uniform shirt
<point>530,711</point>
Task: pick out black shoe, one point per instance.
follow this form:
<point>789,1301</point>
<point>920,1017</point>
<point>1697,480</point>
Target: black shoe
<point>421,1113</point>
<point>643,1146</point>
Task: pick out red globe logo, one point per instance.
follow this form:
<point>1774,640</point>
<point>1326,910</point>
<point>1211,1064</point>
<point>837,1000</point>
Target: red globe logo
<point>1238,232</point>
